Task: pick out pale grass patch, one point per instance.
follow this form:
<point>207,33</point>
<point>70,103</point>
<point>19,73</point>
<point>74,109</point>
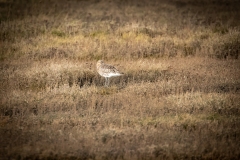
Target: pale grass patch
<point>53,72</point>
<point>175,120</point>
<point>199,100</point>
<point>45,41</point>
<point>146,65</point>
<point>132,36</point>
<point>134,27</point>
<point>215,40</point>
<point>54,67</point>
<point>138,88</point>
<point>75,90</point>
<point>58,95</point>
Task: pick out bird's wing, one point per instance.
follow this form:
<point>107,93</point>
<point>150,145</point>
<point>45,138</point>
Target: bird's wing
<point>110,68</point>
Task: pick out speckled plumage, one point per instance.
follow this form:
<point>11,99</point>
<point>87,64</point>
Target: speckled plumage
<point>107,71</point>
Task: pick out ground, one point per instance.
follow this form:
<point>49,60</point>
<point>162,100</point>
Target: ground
<point>178,97</point>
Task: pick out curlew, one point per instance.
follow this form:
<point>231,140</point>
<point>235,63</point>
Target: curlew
<point>107,71</point>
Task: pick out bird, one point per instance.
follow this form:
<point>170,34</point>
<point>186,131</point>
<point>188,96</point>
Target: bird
<point>107,71</point>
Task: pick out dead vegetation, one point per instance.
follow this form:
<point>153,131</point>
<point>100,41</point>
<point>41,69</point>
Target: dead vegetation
<point>178,99</point>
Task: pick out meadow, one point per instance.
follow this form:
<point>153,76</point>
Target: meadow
<point>179,97</point>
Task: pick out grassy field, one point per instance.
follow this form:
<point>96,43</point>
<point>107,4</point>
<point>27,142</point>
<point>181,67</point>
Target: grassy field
<point>179,97</point>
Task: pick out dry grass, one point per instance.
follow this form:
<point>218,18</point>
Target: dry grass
<point>178,99</point>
